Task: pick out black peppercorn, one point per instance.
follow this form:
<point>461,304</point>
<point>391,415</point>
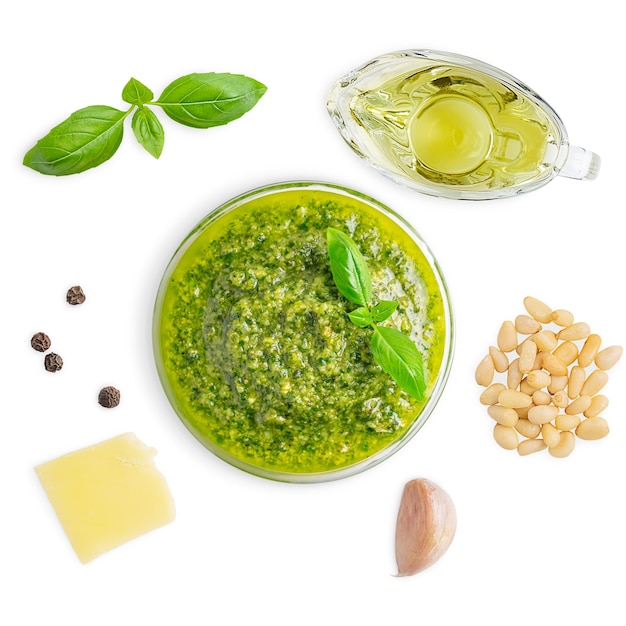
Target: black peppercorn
<point>53,362</point>
<point>109,397</point>
<point>75,295</point>
<point>40,342</point>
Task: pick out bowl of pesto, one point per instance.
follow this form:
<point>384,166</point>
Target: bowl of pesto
<point>255,348</point>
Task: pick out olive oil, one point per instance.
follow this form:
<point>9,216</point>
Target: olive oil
<point>452,125</point>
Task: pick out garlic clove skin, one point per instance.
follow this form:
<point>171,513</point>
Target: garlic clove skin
<point>425,528</point>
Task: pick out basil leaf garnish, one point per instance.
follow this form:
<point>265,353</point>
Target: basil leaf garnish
<point>148,131</point>
<point>205,100</point>
<point>349,269</point>
<point>399,357</point>
<point>394,352</point>
<point>87,138</point>
<point>135,92</point>
<point>383,310</point>
<point>361,317</point>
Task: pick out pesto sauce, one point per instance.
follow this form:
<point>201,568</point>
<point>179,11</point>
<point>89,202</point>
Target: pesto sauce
<point>257,353</point>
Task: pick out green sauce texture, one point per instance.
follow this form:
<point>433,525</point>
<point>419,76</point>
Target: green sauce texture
<point>256,351</point>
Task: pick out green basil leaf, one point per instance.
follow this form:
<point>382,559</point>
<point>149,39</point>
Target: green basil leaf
<point>399,357</point>
<point>361,317</point>
<point>384,310</point>
<point>205,100</point>
<point>148,131</point>
<point>135,92</point>
<point>348,268</point>
<point>87,138</point>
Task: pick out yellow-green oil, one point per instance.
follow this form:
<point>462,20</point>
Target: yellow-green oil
<point>457,126</point>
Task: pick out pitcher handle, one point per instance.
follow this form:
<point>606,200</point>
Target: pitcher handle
<point>580,164</point>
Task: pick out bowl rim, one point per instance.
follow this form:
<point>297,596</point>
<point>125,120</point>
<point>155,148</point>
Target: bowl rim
<point>442,375</point>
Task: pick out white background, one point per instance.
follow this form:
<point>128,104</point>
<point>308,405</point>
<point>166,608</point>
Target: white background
<point>539,540</point>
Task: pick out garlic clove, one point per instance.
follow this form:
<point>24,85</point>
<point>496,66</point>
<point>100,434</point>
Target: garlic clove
<point>425,528</point>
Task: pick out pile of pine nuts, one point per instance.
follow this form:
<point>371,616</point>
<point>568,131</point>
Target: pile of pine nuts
<point>549,397</point>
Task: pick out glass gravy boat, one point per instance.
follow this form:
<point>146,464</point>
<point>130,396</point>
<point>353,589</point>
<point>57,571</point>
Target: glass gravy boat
<point>449,125</point>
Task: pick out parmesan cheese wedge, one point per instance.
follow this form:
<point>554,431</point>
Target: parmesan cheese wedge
<point>107,494</point>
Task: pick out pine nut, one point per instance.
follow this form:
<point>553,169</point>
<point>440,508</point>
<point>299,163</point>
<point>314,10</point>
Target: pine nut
<point>557,383</point>
<point>579,405</point>
<point>528,446</point>
<point>560,399</point>
<point>527,429</point>
<point>526,387</point>
<point>548,390</point>
<point>589,350</point>
<point>500,360</point>
<point>607,358</point>
<point>505,437</point>
<point>538,379</point>
<point>484,372</point>
<point>566,422</point>
<point>550,435</point>
<point>546,340</point>
<point>521,344</point>
<point>526,325</point>
<point>514,376</point>
<point>502,415</point>
<point>598,404</point>
<point>542,414</point>
<point>565,446</point>
<point>490,395</point>
<point>554,365</point>
<point>527,356</point>
<point>576,381</point>
<point>507,337</point>
<point>541,397</point>
<point>537,309</point>
<point>561,317</point>
<point>593,428</point>
<point>574,332</point>
<point>567,352</point>
<point>514,399</point>
<point>596,380</point>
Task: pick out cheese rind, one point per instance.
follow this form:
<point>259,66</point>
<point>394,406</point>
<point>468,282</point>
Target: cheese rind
<point>107,494</point>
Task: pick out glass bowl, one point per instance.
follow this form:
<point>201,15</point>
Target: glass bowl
<point>254,347</point>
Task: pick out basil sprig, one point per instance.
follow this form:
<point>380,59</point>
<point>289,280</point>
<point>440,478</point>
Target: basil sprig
<point>394,352</point>
<point>92,135</point>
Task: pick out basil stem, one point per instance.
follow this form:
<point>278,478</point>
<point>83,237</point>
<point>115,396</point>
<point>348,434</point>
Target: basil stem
<point>394,352</point>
